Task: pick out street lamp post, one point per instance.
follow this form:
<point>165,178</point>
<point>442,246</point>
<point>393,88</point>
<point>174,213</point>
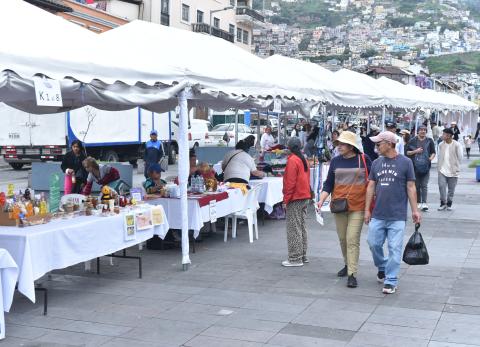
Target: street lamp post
<point>219,10</point>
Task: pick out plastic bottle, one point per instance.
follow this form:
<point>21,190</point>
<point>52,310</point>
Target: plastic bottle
<point>43,205</point>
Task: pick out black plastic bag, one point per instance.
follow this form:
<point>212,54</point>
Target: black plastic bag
<point>415,252</point>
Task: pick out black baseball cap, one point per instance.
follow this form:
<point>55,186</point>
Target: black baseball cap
<point>391,124</point>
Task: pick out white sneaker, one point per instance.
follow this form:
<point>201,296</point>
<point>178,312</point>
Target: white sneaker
<point>286,263</point>
<point>419,205</point>
<point>449,208</point>
<point>424,207</point>
<point>442,208</point>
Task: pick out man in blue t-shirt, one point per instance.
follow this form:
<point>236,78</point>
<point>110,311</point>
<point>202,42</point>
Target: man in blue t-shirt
<point>153,151</point>
<point>392,181</point>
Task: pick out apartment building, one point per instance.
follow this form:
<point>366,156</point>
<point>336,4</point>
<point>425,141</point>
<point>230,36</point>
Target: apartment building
<point>231,20</point>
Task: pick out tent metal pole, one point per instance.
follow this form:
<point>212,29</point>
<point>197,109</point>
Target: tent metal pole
<point>384,110</point>
<point>236,126</point>
<point>183,170</point>
<point>368,122</point>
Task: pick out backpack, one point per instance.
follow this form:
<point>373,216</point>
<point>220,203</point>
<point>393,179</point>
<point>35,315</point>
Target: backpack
<point>421,161</point>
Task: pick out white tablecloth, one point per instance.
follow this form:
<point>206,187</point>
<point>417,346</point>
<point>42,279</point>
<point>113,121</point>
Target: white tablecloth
<point>270,192</point>
<point>8,279</point>
<point>40,249</point>
<point>198,216</point>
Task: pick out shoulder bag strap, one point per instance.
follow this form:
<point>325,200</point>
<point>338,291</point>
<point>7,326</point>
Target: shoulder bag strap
<point>366,169</point>
<point>228,162</point>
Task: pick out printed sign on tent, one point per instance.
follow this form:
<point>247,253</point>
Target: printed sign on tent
<point>47,92</point>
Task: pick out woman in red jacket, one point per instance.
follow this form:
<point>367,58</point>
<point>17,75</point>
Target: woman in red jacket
<point>296,193</point>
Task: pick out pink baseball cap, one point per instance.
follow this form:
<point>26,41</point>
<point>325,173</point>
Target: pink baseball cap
<point>387,136</point>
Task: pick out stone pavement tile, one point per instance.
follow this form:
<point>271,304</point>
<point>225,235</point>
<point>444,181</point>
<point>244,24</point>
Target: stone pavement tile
<point>319,332</point>
<point>420,301</point>
<point>70,338</point>
<point>137,301</point>
<point>121,342</point>
<point>363,339</point>
<point>161,294</point>
<point>97,328</point>
<point>238,334</point>
<point>458,328</point>
<point>448,344</point>
<point>469,300</point>
<point>209,341</point>
<point>260,314</point>
<point>395,330</point>
<point>407,312</point>
<point>474,310</point>
<point>136,311</point>
<point>265,304</point>
<point>37,321</point>
<point>236,321</point>
<point>288,340</point>
<point>344,319</point>
<point>10,341</point>
<point>155,335</point>
<point>327,305</point>
<point>129,318</point>
<point>190,317</point>
<point>25,332</point>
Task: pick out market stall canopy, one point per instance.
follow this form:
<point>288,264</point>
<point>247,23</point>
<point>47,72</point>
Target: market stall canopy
<point>101,71</point>
<point>330,88</point>
<point>391,97</point>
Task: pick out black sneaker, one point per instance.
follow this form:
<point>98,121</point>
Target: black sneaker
<point>352,282</point>
<point>343,272</point>
<point>389,289</point>
<point>380,276</point>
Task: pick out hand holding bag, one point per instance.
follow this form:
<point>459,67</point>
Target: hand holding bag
<point>415,252</point>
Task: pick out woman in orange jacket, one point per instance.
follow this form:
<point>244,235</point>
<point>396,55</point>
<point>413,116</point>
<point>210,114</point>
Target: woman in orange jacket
<point>296,193</point>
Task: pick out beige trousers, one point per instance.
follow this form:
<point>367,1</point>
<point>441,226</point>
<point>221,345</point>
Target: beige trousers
<point>349,228</point>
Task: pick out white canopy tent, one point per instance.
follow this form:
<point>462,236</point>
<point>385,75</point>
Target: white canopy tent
<point>332,90</point>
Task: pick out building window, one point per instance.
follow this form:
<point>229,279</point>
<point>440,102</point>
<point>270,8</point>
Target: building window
<point>232,2</point>
<point>199,16</point>
<point>165,7</point>
<point>216,22</point>
<point>245,37</point>
<point>239,35</point>
<point>231,29</point>
<point>185,13</point>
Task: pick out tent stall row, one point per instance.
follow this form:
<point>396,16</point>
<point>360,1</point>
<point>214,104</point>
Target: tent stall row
<point>158,68</point>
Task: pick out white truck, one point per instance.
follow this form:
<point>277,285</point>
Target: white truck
<point>107,135</point>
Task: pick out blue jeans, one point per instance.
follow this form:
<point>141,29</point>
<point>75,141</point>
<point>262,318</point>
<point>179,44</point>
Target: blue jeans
<point>378,231</point>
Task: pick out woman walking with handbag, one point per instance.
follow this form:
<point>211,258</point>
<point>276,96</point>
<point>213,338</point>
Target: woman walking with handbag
<point>296,194</point>
<point>346,181</point>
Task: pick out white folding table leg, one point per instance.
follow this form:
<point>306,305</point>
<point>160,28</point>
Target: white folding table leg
<point>225,233</point>
<point>250,226</point>
<point>255,225</point>
<point>234,227</point>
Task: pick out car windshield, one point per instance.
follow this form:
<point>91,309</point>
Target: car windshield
<point>220,127</point>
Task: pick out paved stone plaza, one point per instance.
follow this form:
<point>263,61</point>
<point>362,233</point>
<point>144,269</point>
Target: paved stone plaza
<point>237,294</point>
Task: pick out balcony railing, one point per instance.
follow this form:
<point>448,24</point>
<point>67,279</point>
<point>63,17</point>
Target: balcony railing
<point>205,28</point>
<point>247,11</point>
<point>165,19</point>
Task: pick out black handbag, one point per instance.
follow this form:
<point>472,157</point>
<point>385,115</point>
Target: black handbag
<point>415,252</point>
<point>340,205</point>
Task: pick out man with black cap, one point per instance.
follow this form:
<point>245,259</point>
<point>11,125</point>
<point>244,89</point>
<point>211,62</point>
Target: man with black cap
<point>153,151</point>
<point>392,127</point>
<point>450,154</point>
<point>421,150</point>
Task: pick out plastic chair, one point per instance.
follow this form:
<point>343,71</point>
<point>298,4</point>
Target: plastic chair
<point>248,212</point>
